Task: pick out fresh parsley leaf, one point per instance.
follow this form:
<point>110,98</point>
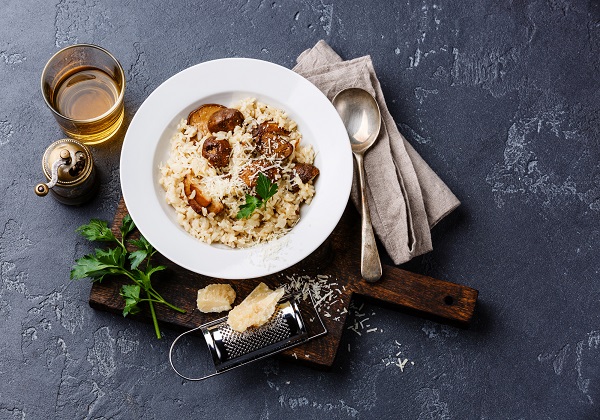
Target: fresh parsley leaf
<point>131,307</point>
<point>91,266</point>
<point>265,188</point>
<point>136,258</point>
<point>84,265</point>
<point>145,250</point>
<point>246,210</point>
<point>127,226</point>
<point>131,294</point>
<point>142,244</point>
<point>151,270</point>
<point>111,256</point>
<point>130,291</point>
<point>97,230</point>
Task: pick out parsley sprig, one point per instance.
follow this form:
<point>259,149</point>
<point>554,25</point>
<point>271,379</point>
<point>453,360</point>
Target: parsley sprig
<point>119,261</point>
<point>265,189</point>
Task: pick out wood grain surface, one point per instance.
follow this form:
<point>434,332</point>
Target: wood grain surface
<point>337,262</point>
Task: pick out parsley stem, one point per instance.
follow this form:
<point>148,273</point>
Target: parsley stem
<point>121,244</point>
<point>175,308</point>
<point>164,302</point>
<point>154,320</point>
<point>158,298</point>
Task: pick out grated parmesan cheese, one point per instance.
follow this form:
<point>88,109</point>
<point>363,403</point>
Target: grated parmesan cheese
<point>324,292</point>
<point>397,361</point>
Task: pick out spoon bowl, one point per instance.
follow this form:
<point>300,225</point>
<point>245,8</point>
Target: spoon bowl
<point>360,114</point>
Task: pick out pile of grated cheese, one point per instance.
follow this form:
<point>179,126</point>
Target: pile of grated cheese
<point>326,293</point>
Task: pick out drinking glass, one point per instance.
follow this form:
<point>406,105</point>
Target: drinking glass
<point>84,85</point>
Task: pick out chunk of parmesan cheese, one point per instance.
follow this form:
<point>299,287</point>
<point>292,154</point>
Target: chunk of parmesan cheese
<point>215,298</point>
<point>256,309</point>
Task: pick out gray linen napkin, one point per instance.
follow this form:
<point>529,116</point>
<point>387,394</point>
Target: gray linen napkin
<point>406,198</point>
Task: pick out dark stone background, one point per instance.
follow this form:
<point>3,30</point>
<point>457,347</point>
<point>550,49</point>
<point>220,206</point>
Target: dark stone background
<point>501,98</point>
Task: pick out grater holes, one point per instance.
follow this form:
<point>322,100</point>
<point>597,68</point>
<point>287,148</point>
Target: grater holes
<point>238,344</point>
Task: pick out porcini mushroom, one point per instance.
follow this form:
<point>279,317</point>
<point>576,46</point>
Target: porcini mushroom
<point>217,152</point>
<point>200,116</point>
<point>225,120</point>
<point>197,199</point>
<point>271,140</point>
<point>306,172</point>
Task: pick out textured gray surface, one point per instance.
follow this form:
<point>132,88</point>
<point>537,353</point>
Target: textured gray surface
<point>501,99</point>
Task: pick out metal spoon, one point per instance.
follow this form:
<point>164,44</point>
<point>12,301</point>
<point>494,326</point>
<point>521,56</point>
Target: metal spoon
<point>362,118</point>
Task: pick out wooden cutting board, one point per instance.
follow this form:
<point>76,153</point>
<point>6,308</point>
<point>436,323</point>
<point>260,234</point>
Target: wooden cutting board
<point>336,264</point>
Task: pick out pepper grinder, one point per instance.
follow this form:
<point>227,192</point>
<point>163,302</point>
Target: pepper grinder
<point>69,169</point>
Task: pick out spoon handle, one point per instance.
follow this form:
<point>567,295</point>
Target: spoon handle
<point>370,264</point>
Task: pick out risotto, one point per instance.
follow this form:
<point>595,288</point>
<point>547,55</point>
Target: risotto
<point>217,157</point>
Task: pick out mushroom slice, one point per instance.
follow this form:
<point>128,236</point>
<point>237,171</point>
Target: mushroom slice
<point>217,152</point>
<point>200,116</point>
<point>269,127</point>
<point>306,172</point>
<point>225,119</point>
<point>215,207</point>
<point>249,175</point>
<point>193,192</point>
<point>270,140</point>
<point>197,199</point>
<point>270,144</point>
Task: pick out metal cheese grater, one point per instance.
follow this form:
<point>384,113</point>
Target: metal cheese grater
<point>230,349</point>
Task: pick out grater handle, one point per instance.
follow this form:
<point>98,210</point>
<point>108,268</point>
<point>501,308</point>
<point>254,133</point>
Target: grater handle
<point>171,357</point>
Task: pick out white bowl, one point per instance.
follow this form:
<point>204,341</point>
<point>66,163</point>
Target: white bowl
<point>225,81</point>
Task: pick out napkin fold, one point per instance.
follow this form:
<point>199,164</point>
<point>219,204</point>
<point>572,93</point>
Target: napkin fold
<point>406,198</point>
